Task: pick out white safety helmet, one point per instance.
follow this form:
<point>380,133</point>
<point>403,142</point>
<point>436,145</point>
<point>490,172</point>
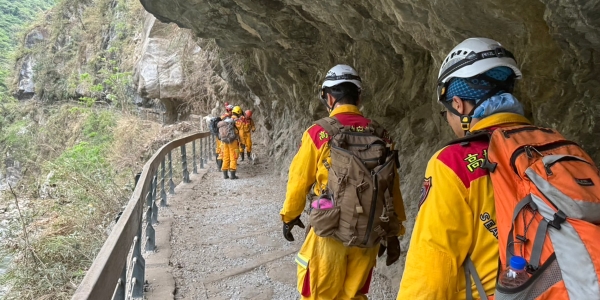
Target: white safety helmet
<point>340,74</point>
<point>472,57</point>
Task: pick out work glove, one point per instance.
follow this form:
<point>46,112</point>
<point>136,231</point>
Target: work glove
<point>392,245</point>
<point>287,228</point>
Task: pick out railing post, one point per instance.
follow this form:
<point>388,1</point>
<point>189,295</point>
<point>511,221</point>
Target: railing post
<point>163,193</point>
<point>210,147</point>
<point>120,289</point>
<point>207,149</point>
<point>130,282</point>
<point>150,232</point>
<point>202,153</point>
<point>171,184</point>
<point>213,146</point>
<point>139,267</point>
<point>195,169</point>
<point>137,178</point>
<point>154,206</point>
<point>186,173</point>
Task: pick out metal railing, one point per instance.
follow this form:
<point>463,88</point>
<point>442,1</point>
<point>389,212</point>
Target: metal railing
<point>119,268</point>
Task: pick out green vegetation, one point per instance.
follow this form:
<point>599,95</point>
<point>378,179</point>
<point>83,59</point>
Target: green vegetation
<point>13,15</point>
<point>78,158</point>
<point>90,60</point>
<point>78,195</point>
<point>80,167</point>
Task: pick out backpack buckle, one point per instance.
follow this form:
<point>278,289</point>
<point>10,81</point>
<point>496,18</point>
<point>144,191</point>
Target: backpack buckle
<point>361,187</point>
<point>491,167</point>
<point>341,179</point>
<point>559,217</point>
<point>380,231</point>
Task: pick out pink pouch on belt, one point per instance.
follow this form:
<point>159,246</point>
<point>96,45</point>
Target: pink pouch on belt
<point>322,203</point>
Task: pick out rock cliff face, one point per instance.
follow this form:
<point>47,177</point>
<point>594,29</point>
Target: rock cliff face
<point>159,73</point>
<point>174,68</point>
<point>80,50</point>
<point>286,46</point>
<point>25,83</point>
<point>181,71</point>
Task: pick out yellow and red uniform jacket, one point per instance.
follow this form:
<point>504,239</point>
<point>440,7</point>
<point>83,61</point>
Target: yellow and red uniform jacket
<point>246,125</point>
<point>456,219</point>
<point>308,167</point>
<point>226,115</point>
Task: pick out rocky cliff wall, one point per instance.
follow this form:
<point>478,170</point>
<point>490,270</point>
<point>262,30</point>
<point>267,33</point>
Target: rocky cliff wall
<point>177,69</point>
<point>286,46</point>
<point>80,50</point>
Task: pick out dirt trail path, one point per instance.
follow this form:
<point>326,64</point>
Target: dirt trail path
<point>226,239</point>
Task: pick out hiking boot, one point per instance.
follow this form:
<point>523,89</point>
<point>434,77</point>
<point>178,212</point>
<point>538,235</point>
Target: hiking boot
<point>225,176</point>
<point>233,175</point>
<point>249,155</point>
<point>242,156</point>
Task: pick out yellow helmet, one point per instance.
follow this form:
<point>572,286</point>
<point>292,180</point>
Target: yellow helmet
<point>237,110</point>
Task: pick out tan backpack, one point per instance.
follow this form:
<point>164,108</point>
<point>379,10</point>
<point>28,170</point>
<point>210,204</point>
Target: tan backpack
<point>361,177</point>
<point>228,132</point>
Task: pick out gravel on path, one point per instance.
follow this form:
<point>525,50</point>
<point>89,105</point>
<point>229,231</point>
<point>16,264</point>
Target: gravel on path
<point>227,241</point>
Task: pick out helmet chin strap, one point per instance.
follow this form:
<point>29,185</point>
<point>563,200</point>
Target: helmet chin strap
<point>466,119</point>
<point>330,108</point>
<point>324,101</point>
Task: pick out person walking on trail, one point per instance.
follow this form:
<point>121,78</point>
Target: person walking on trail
<point>219,153</point>
<point>229,136</point>
<point>342,243</point>
<point>246,126</point>
<point>454,194</point>
<point>240,124</point>
<point>472,204</point>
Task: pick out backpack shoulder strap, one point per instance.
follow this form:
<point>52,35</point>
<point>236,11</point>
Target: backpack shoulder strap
<point>331,125</point>
<point>480,135</point>
<point>378,130</point>
<point>471,271</point>
<point>234,127</point>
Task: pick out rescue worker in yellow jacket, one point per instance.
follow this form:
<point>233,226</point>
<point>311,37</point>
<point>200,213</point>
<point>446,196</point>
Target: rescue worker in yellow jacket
<point>326,268</point>
<point>227,114</point>
<point>456,222</point>
<point>246,126</point>
<point>230,151</point>
<point>239,123</point>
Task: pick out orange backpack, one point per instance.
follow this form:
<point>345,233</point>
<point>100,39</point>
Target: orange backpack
<point>547,198</point>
